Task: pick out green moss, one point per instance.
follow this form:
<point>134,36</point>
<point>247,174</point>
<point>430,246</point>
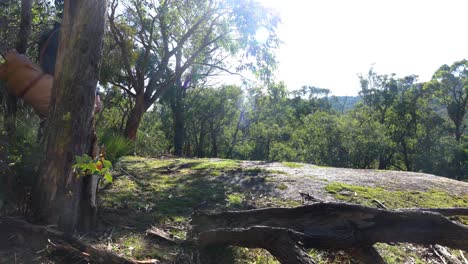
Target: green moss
<point>216,165</point>
<point>292,164</point>
<point>215,173</point>
<point>395,199</point>
<point>282,186</point>
<point>235,199</point>
<point>253,169</point>
<point>269,179</point>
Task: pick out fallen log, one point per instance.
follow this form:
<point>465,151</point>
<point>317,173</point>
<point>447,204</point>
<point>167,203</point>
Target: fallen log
<point>453,211</point>
<point>286,232</point>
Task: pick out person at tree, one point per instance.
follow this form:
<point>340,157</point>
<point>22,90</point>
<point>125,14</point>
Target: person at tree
<point>48,47</point>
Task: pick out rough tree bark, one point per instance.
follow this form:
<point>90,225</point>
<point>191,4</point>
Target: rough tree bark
<point>135,117</point>
<point>59,196</point>
<point>285,232</point>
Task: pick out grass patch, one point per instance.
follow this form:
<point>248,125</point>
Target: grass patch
<point>157,196</point>
<point>329,257</point>
<point>216,165</point>
<point>253,256</point>
<point>292,164</point>
<point>138,247</point>
<point>159,163</point>
<point>398,254</point>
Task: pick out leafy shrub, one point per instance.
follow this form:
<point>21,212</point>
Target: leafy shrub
<point>23,151</point>
<point>116,145</point>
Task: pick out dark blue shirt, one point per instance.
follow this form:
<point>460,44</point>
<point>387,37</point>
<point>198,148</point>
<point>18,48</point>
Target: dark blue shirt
<point>48,46</point>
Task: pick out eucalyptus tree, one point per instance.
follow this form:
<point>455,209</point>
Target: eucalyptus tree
<point>450,85</point>
<point>60,196</point>
<point>379,92</point>
<point>174,45</point>
<point>269,124</point>
<point>310,99</point>
<point>211,120</point>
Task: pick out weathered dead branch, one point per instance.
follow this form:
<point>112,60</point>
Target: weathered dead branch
<point>285,232</point>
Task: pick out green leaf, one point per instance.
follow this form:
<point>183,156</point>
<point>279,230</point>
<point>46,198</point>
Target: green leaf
<point>91,167</point>
<point>107,164</point>
<point>108,177</point>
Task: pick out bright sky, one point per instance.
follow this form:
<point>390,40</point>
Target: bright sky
<point>327,43</point>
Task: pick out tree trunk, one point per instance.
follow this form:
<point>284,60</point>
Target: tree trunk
<point>267,150</point>
<point>201,139</point>
<point>135,117</point>
<point>21,47</point>
<point>384,162</point>
<point>406,157</point>
<point>214,142</point>
<point>458,130</point>
<point>179,133</point>
<point>25,26</point>
<point>61,197</point>
<point>234,137</point>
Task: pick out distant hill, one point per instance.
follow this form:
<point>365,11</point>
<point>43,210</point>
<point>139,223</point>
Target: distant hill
<point>343,103</point>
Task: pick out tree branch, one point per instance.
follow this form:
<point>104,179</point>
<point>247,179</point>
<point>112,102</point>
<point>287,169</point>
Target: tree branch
<point>129,92</point>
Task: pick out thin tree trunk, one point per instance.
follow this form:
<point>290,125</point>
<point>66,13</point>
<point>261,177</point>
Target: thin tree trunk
<point>135,117</point>
<point>406,157</point>
<point>201,140</point>
<point>214,143</point>
<point>267,150</point>
<point>21,47</point>
<point>25,26</point>
<point>60,196</point>
<point>179,134</point>
<point>234,138</point>
<point>458,130</point>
